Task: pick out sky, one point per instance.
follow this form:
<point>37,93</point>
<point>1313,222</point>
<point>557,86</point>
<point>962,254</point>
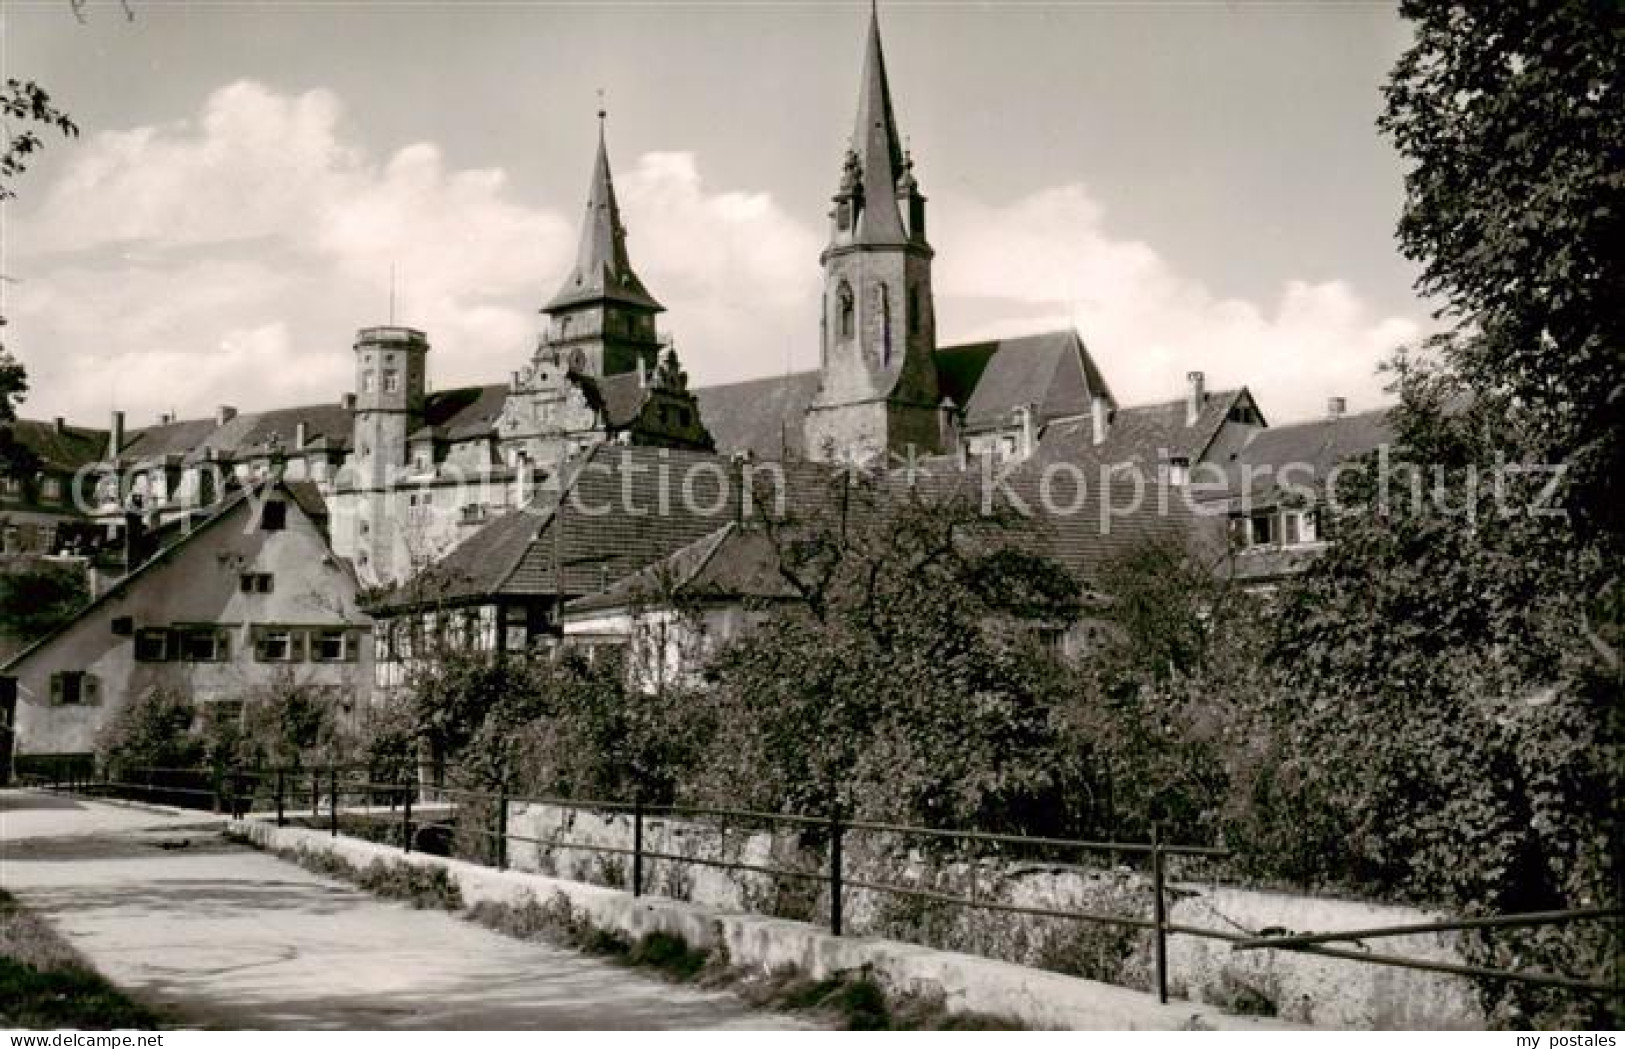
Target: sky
<point>1193,186</point>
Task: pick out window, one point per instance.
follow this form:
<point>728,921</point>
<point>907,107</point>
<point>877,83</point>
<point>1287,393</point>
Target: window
<point>366,381</point>
<point>883,308</point>
<point>1298,526</point>
<point>392,380</point>
<point>204,644</point>
<point>151,645</point>
<point>1264,529</point>
<point>274,516</point>
<point>123,626</point>
<point>275,644</point>
<point>223,712</point>
<point>10,486</point>
<point>74,687</point>
<point>335,646</point>
<point>51,489</point>
<point>256,582</point>
<point>1179,471</point>
<point>844,308</point>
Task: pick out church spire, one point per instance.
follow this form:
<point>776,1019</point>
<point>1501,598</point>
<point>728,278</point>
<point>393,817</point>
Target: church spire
<point>602,269</point>
<point>878,149</point>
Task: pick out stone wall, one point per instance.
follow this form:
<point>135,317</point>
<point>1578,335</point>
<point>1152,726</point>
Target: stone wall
<point>1296,987</point>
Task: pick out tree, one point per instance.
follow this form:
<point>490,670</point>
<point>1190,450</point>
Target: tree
<point>903,677</point>
<point>152,731</point>
<point>37,598</point>
<point>25,108</point>
<point>1512,116</point>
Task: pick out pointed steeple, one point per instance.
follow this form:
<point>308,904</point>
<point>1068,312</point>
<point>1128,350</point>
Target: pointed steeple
<point>602,270</point>
<point>878,148</point>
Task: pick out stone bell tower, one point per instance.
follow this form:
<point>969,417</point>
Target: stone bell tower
<point>878,383</point>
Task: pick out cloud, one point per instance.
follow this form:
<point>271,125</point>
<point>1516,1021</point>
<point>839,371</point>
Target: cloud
<point>230,257</point>
<point>1046,261</point>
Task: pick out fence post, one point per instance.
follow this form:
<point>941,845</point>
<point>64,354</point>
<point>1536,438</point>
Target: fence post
<point>281,802</point>
<point>835,834</point>
<point>637,844</point>
<point>333,791</point>
<point>502,828</point>
<point>1159,914</point>
<point>406,819</point>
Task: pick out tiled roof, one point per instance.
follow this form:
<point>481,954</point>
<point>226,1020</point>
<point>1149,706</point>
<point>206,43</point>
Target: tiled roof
<point>165,439</point>
<point>475,568</point>
<point>1141,434</point>
<point>256,433</point>
<point>1318,445</point>
<point>734,562</point>
<point>69,449</point>
<point>596,535</point>
<point>762,416</point>
<point>990,380</point>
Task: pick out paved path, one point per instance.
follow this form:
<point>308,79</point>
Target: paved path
<point>233,938</point>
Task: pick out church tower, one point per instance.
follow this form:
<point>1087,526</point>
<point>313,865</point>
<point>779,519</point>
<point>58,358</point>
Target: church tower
<point>602,321</point>
<point>878,383</point>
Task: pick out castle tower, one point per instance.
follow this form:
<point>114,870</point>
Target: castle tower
<point>390,370</point>
<point>878,383</point>
<point>602,321</point>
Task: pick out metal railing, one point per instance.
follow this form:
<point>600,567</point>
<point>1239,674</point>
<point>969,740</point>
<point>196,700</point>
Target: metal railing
<point>284,792</point>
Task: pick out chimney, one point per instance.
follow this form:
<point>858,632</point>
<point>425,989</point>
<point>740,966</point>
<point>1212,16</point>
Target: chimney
<point>224,414</point>
<point>115,436</point>
<point>1335,407</point>
<point>1099,409</point>
<point>1196,398</point>
<point>60,424</point>
<point>301,435</point>
<point>166,418</point>
<point>347,402</point>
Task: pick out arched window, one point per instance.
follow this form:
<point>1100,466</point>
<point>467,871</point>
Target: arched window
<point>844,310</point>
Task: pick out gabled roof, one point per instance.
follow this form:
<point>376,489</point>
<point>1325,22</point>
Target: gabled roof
<point>615,510</point>
<point>166,552</point>
<point>735,562</point>
<point>475,568</point>
<point>68,449</point>
<point>990,380</point>
<point>1142,435</point>
<point>761,416</point>
<point>1317,445</point>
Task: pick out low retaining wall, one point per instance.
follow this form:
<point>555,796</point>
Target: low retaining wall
<point>1298,987</point>
<point>963,983</point>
